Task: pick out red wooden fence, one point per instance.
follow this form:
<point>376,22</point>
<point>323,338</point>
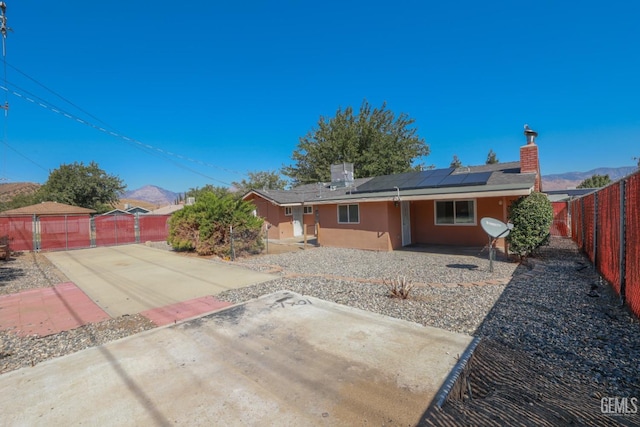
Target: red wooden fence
<point>74,232</point>
<point>561,226</point>
<point>606,226</point>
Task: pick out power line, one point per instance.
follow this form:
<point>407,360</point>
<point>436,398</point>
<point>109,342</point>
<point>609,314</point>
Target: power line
<point>149,149</point>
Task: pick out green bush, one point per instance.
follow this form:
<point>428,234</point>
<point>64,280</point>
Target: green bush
<point>205,226</point>
<point>531,217</point>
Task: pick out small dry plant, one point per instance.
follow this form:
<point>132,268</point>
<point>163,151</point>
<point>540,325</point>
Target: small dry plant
<point>399,287</point>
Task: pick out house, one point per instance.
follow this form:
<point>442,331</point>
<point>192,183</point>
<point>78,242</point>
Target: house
<point>128,209</point>
<point>440,206</point>
<point>167,210</point>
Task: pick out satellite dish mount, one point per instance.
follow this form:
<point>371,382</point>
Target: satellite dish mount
<point>496,229</point>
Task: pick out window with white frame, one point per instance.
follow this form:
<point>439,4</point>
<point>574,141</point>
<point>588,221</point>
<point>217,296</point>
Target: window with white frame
<point>455,212</point>
<point>288,211</point>
<point>308,210</point>
<point>348,214</point>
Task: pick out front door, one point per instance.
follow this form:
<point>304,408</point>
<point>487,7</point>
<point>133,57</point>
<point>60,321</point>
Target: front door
<point>405,214</point>
<point>296,211</point>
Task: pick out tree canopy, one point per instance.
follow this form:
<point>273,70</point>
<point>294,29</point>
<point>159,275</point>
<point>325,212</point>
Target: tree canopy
<point>375,140</point>
<point>198,192</point>
<point>492,158</point>
<point>270,180</point>
<point>79,185</point>
<point>595,181</point>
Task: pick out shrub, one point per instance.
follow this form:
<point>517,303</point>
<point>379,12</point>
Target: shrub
<point>205,226</point>
<point>531,217</point>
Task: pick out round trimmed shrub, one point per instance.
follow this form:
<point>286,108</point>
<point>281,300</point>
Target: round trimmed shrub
<point>531,217</point>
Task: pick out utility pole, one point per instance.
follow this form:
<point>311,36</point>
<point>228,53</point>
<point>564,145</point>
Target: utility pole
<point>4,30</point>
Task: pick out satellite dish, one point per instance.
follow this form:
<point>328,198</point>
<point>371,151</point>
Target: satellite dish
<point>495,228</point>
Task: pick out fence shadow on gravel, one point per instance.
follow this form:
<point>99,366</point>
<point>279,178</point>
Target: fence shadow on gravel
<point>553,344</point>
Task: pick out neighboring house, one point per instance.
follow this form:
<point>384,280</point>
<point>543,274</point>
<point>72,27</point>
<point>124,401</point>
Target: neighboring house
<point>48,209</point>
<point>128,210</point>
<point>137,210</point>
<point>569,194</point>
<point>440,206</point>
<point>116,212</point>
<point>167,210</point>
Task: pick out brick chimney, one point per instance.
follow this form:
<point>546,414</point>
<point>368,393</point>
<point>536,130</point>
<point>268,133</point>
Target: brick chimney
<point>529,162</point>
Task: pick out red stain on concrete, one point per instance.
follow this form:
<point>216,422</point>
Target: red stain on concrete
<point>48,311</point>
<point>184,310</point>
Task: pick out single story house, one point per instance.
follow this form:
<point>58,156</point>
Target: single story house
<point>440,206</point>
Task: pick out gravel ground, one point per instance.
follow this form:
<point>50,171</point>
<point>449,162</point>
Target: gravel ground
<point>424,265</point>
<point>555,340</point>
<point>28,270</point>
<point>444,295</point>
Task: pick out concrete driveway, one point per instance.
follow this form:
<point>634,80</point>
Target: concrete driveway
<point>282,359</point>
<point>135,278</point>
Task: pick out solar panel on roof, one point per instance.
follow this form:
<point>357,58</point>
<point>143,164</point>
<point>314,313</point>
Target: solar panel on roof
<point>452,180</point>
<point>442,172</point>
<point>432,181</point>
<point>478,178</point>
<point>378,183</point>
<point>415,180</point>
<point>423,179</point>
<point>411,183</point>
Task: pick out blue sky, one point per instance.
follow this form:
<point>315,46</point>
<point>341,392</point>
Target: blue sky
<point>233,85</point>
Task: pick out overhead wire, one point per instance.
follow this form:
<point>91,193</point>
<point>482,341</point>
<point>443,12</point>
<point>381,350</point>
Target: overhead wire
<point>147,148</point>
<point>150,149</point>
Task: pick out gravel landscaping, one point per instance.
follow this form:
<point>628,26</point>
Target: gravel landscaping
<point>555,339</point>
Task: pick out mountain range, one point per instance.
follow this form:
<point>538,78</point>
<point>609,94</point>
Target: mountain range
<point>568,180</point>
<point>152,194</point>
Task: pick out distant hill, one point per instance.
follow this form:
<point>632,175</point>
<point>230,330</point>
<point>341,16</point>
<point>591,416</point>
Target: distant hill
<point>152,194</point>
<point>10,190</point>
<point>563,181</point>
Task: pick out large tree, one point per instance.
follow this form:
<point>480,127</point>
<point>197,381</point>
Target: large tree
<point>595,181</point>
<point>270,180</point>
<point>85,186</point>
<point>375,140</point>
<point>455,162</point>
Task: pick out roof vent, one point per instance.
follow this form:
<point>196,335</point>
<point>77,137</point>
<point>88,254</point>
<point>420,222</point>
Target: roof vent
<point>342,175</point>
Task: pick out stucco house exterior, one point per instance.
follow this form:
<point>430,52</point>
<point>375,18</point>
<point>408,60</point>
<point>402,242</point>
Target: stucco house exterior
<point>440,206</point>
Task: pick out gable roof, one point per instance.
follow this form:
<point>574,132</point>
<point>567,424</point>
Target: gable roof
<point>499,179</point>
<point>306,192</point>
<point>165,210</point>
<point>48,208</point>
<point>117,212</point>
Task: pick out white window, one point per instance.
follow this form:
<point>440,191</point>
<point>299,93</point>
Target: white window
<point>287,211</point>
<point>308,210</point>
<point>348,214</point>
<point>455,212</point>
